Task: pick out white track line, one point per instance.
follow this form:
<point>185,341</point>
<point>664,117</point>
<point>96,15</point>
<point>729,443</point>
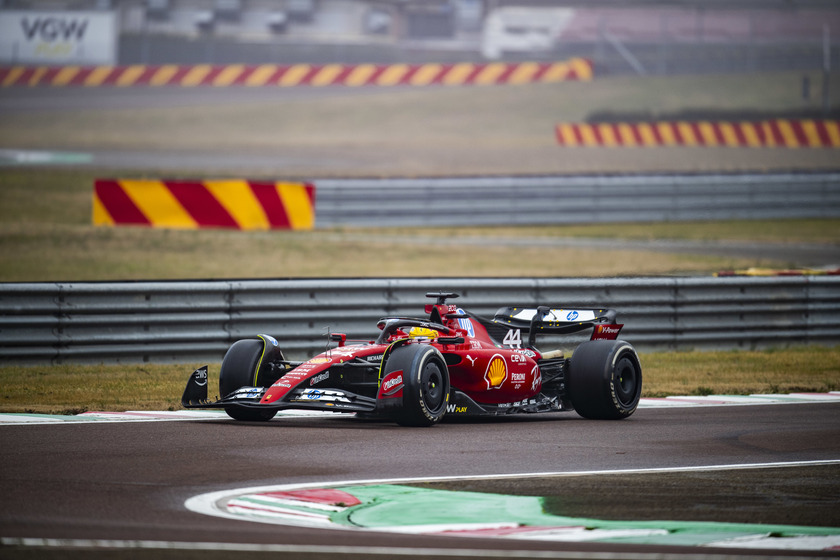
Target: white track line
<point>193,415</point>
<point>368,551</point>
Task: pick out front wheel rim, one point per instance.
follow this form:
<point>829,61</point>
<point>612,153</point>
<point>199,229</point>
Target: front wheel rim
<point>433,387</point>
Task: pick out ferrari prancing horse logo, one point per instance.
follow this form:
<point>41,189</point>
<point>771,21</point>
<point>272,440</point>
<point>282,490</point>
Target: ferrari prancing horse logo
<point>496,372</point>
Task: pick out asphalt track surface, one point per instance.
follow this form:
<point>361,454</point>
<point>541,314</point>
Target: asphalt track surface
<point>129,481</point>
<point>22,100</point>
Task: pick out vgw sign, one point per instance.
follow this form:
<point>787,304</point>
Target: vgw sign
<point>58,38</point>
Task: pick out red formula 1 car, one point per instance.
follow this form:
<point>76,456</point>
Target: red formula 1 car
<point>451,362</point>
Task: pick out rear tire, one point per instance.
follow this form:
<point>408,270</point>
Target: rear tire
<point>426,384</point>
<point>605,379</point>
<point>239,369</point>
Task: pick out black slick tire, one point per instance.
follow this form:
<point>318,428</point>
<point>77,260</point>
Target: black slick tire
<point>605,379</point>
<point>426,384</point>
<point>239,369</point>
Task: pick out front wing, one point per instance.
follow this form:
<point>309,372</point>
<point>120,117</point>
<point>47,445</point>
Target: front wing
<point>339,400</point>
<point>308,398</point>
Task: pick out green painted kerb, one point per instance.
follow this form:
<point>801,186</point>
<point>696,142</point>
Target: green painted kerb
<point>394,506</point>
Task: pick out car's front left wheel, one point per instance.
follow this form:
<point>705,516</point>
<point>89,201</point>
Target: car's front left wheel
<point>425,384</point>
<point>239,369</point>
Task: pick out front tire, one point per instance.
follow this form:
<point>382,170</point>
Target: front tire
<point>250,414</point>
<point>240,369</point>
<point>605,379</point>
<point>426,384</point>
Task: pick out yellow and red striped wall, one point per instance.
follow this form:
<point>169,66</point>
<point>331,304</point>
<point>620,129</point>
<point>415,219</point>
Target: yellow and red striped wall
<point>787,133</point>
<point>464,73</point>
<point>234,204</point>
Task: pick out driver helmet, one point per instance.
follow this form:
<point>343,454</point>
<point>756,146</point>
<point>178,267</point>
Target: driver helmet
<point>422,334</point>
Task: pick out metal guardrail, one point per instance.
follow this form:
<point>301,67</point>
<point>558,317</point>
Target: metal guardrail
<point>574,199</point>
<point>136,322</point>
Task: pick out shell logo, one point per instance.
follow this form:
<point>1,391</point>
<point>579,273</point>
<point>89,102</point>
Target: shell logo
<point>496,372</point>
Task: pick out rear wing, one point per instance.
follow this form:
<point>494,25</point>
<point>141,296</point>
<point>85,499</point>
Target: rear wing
<point>547,320</point>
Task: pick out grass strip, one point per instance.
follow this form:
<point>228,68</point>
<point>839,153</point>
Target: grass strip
<point>73,389</point>
<point>46,235</point>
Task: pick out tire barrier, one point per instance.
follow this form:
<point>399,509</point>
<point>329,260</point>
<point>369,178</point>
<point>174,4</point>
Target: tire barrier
<point>784,133</point>
<point>235,204</point>
<point>464,73</point>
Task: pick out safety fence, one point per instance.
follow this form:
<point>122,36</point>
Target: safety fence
<point>558,200</point>
<point>134,322</point>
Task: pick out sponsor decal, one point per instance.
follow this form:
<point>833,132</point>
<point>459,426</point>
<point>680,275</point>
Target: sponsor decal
<point>454,409</point>
<point>248,393</point>
<point>523,402</point>
<point>536,375</point>
<point>572,315</point>
<point>345,350</point>
<point>327,396</point>
<point>56,37</point>
<point>465,324</point>
<point>51,29</point>
<point>200,376</point>
<point>496,372</point>
<point>392,385</point>
<point>606,332</point>
<point>270,339</point>
<point>318,378</point>
<point>319,361</point>
<point>296,375</point>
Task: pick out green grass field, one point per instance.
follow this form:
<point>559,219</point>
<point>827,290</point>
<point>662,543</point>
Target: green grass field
<point>72,389</point>
<point>46,235</point>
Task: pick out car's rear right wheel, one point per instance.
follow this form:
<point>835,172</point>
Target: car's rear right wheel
<point>605,379</point>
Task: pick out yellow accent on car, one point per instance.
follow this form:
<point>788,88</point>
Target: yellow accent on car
<point>422,333</point>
